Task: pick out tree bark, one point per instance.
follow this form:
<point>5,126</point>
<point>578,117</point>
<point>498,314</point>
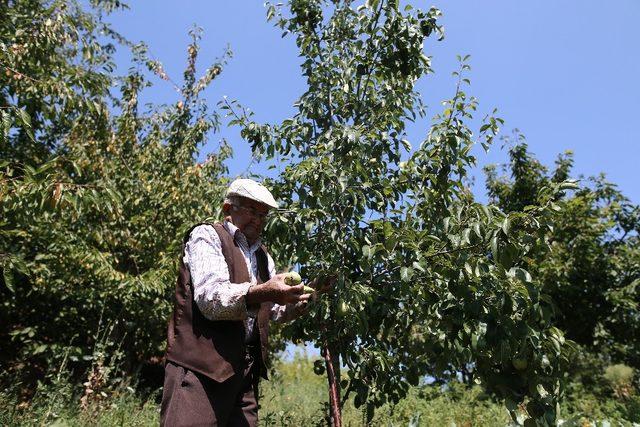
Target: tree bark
<point>332,363</point>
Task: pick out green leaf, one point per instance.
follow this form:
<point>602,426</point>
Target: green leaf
<point>487,212</point>
<point>506,226</point>
<point>541,391</point>
<point>508,255</point>
<point>465,236</point>
<point>569,185</point>
<point>417,266</point>
<point>521,274</point>
<point>6,123</point>
<point>521,290</point>
<point>406,273</point>
<point>372,4</point>
<point>40,349</point>
<point>468,269</point>
<point>476,229</point>
<point>367,252</point>
<point>26,123</point>
<point>494,248</point>
<point>270,12</point>
<point>8,279</point>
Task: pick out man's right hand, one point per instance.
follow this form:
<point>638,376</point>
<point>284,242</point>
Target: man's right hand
<point>276,291</point>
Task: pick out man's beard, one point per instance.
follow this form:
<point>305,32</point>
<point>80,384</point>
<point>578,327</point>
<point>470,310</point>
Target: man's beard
<point>251,232</point>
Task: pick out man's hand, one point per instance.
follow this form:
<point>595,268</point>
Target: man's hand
<point>275,290</point>
<point>320,285</point>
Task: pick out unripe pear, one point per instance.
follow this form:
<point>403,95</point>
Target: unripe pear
<point>520,363</point>
<point>342,309</point>
<point>308,290</point>
<point>293,279</point>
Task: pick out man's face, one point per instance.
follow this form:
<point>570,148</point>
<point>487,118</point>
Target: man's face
<point>249,217</point>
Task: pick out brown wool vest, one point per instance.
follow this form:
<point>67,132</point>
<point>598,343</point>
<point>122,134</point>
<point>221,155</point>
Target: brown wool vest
<point>215,348</point>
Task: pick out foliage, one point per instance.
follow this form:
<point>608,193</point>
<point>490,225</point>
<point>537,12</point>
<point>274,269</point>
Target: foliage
<point>586,405</point>
<point>57,404</point>
<point>295,396</point>
<point>105,399</point>
<point>592,270</point>
<point>620,379</point>
<point>619,374</point>
<point>95,194</point>
<point>429,281</point>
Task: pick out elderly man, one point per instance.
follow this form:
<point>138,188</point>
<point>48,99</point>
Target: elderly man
<point>226,293</point>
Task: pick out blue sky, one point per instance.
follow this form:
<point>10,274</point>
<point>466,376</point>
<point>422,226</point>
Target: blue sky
<point>563,72</point>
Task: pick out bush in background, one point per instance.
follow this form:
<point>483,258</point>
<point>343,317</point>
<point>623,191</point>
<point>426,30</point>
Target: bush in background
<point>96,191</point>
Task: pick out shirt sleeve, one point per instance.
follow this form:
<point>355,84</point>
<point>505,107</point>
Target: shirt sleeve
<point>214,294</point>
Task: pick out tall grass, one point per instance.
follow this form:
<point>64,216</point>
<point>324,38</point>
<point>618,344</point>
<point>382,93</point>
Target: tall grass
<point>294,396</point>
<point>58,404</point>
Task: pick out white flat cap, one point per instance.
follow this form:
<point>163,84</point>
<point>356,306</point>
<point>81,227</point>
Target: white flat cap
<point>250,189</point>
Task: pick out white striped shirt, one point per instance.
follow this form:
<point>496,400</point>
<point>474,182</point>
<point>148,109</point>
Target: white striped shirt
<point>216,297</point>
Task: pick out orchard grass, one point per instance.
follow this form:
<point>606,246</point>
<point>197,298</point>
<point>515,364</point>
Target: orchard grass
<point>296,396</point>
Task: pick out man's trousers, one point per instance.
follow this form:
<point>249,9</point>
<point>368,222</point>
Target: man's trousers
<point>192,399</point>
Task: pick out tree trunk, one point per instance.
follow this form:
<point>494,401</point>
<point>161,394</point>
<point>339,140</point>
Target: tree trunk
<point>332,362</point>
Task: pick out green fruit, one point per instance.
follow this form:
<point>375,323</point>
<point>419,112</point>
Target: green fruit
<point>342,309</point>
<point>308,290</point>
<point>292,279</point>
<point>520,363</point>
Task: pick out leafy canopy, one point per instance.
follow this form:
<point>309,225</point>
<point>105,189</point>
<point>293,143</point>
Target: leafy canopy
<point>430,282</point>
<point>95,189</point>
